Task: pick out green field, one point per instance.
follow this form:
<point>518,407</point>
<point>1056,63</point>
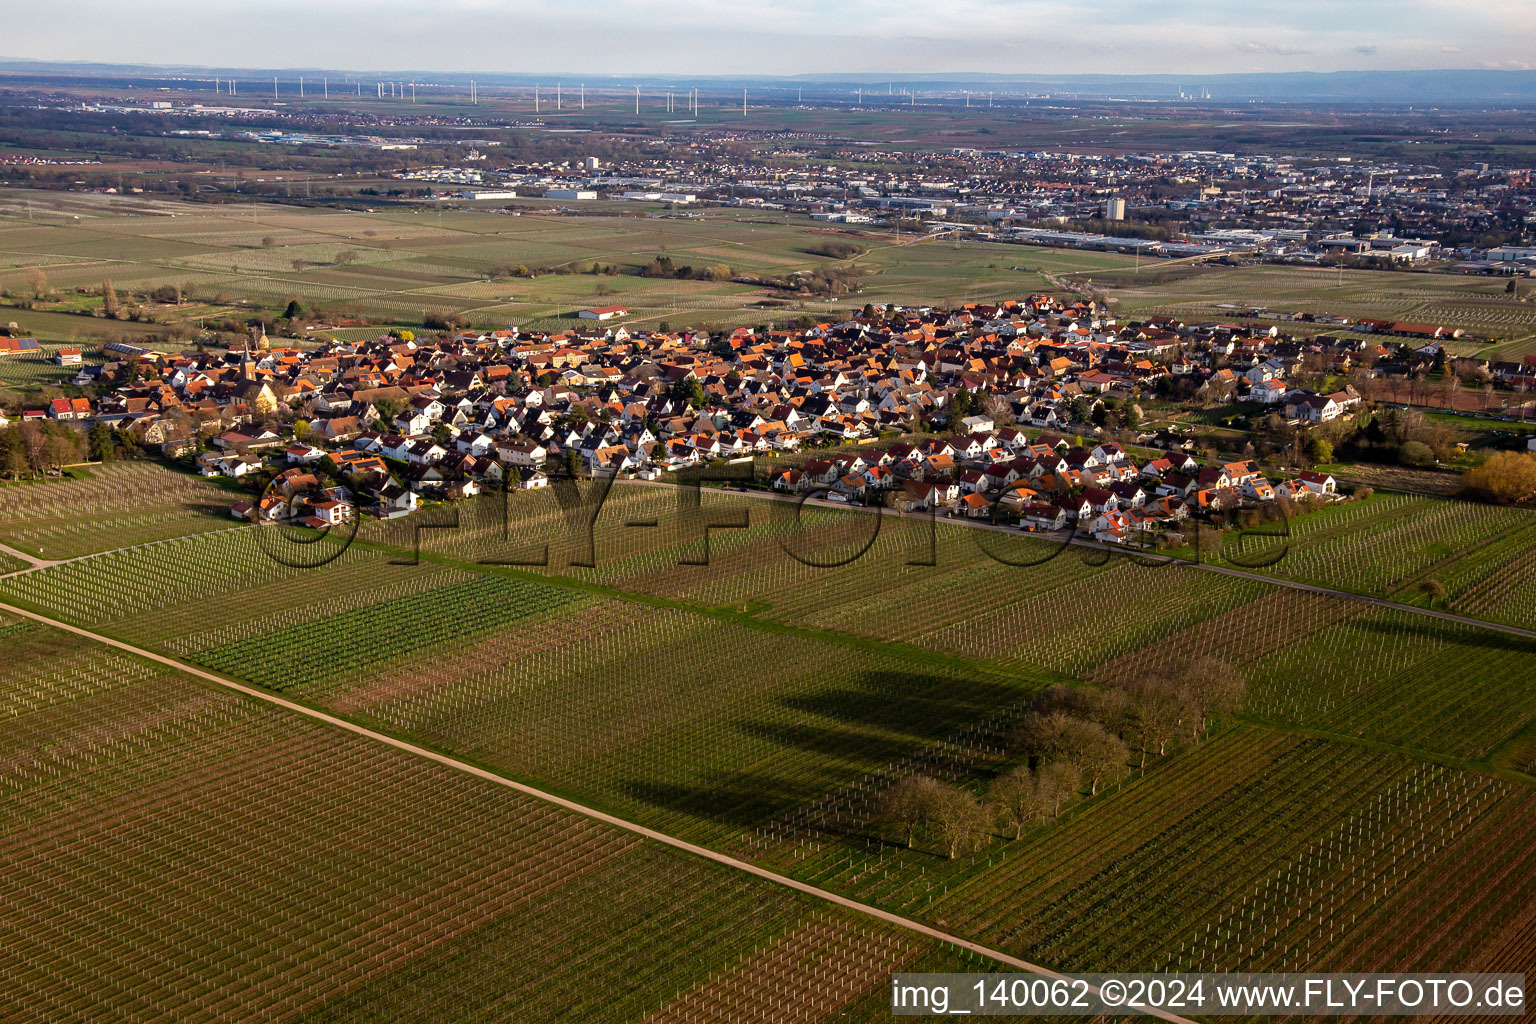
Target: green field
<point>758,704</point>
<point>402,263</point>
<point>178,851</point>
<point>37,371</point>
<point>1477,305</point>
<point>110,506</point>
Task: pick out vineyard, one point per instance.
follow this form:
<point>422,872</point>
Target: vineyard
<point>1387,675</point>
<point>110,506</point>
<point>316,649</point>
<point>112,488</point>
<point>691,725</point>
<point>1379,545</point>
<point>393,265</point>
<point>1476,305</point>
<point>1263,853</point>
<point>34,371</point>
<point>143,579</point>
<point>178,852</point>
<point>759,704</point>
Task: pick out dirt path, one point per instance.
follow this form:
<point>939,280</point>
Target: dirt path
<point>34,561</point>
<point>44,563</point>
<point>908,924</point>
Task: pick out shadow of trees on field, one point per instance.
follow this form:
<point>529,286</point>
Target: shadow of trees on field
<point>826,738</point>
<point>1451,633</point>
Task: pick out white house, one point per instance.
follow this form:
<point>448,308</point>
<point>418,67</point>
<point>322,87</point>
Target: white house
<point>602,312</point>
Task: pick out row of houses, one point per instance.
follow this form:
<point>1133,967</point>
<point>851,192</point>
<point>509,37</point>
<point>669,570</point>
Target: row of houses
<point>458,413</point>
<point>1046,483</point>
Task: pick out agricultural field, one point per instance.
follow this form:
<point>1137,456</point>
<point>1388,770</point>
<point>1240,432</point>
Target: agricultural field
<point>701,727</point>
<point>1257,851</point>
<point>397,265</point>
<point>1477,305</point>
<point>175,850</point>
<point>104,507</point>
<point>617,699</point>
<point>1015,604</point>
<point>32,372</point>
<point>1266,852</point>
<point>312,651</point>
<point>1008,606</point>
<point>1385,545</point>
<point>756,691</point>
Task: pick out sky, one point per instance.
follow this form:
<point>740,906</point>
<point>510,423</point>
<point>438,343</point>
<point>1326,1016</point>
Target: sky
<point>784,37</point>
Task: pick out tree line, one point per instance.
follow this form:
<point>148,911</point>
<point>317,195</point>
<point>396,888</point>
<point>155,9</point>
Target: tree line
<point>38,448</point>
<point>1071,742</point>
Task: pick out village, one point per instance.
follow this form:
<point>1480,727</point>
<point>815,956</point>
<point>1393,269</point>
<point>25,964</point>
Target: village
<point>1023,413</point>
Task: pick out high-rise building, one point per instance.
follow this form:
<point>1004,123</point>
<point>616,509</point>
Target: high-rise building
<point>1114,209</point>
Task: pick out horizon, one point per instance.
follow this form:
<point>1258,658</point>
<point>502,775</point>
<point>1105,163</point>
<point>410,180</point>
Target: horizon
<point>1200,38</point>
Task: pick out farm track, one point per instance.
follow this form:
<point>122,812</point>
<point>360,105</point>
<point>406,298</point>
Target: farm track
<point>33,560</point>
<point>915,653</point>
<point>886,917</point>
<point>46,563</point>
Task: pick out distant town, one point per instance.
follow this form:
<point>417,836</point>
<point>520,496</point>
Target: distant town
<point>1189,205</point>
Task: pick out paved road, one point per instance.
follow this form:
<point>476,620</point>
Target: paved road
<point>910,925</point>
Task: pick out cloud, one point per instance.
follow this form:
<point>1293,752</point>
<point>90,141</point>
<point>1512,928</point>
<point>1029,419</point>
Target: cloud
<point>1271,49</point>
<point>629,37</point>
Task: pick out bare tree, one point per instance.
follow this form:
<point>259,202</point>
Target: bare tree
<point>1214,688</point>
<point>35,444</point>
<point>1097,753</point>
<point>1060,783</point>
<point>1018,799</point>
<point>1001,410</point>
<point>37,282</point>
<point>907,804</point>
<point>959,822</point>
<point>1159,704</point>
<point>1040,734</point>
